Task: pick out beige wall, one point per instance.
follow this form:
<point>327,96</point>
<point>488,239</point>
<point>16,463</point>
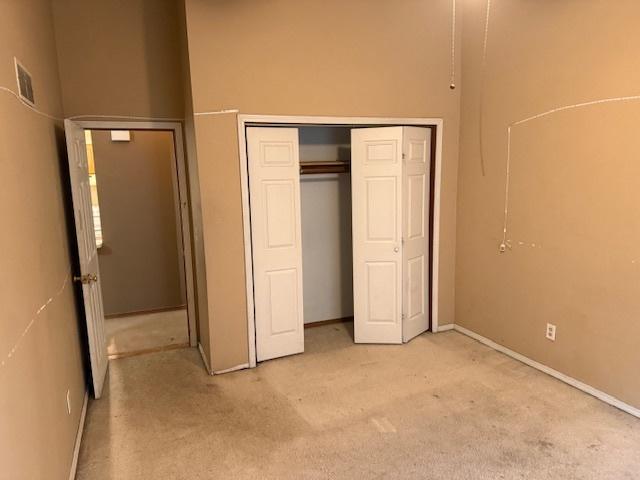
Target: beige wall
<point>573,223</point>
<point>139,260</point>
<point>356,58</point>
<point>36,434</point>
<point>120,57</point>
<point>199,267</point>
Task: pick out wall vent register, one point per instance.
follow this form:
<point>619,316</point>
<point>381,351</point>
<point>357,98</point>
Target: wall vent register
<point>25,87</point>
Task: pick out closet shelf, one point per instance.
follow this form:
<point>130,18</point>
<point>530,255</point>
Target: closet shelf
<point>310,168</point>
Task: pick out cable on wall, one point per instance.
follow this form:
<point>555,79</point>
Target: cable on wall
<point>78,117</point>
<point>452,79</point>
<point>30,107</point>
<point>5,360</point>
<point>505,242</point>
<point>217,112</point>
<point>125,117</point>
<point>482,79</point>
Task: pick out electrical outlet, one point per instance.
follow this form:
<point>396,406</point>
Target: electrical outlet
<point>68,402</point>
<point>551,332</point>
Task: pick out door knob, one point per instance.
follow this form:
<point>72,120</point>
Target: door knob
<point>396,249</point>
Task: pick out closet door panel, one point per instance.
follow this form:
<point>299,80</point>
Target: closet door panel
<point>415,255</point>
<point>274,189</point>
<point>376,176</point>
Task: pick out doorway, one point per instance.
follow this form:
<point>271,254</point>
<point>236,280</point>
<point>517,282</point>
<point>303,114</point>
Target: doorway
<point>136,214</point>
<point>271,157</point>
<point>132,219</point>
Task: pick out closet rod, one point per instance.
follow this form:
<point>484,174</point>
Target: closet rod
<point>310,168</point>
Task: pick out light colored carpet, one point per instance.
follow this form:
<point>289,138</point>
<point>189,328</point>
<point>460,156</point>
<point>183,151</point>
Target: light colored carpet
<point>440,407</point>
<point>134,333</point>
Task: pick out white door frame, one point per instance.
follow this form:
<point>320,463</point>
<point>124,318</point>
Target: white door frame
<point>285,120</point>
<point>185,207</point>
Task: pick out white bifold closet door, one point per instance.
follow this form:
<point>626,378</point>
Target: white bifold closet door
<point>390,182</point>
<point>416,148</point>
<point>274,188</point>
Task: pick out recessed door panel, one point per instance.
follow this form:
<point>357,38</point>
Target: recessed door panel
<point>381,152</point>
<point>417,151</point>
<point>382,217</point>
<point>279,211</point>
<point>274,154</point>
<point>283,301</point>
<point>381,300</point>
<point>415,287</point>
<point>415,206</point>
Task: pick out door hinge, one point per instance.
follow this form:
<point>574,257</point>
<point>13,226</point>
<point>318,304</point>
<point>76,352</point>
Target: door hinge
<point>404,156</point>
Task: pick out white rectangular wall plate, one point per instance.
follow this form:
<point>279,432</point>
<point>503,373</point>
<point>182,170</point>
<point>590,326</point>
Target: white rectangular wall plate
<point>551,332</point>
<point>120,135</point>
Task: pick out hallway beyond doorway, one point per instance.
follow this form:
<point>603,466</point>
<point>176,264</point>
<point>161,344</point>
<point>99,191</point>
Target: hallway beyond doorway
<point>134,334</point>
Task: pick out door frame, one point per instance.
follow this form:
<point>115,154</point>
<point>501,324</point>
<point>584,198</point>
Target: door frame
<point>183,195</point>
<point>246,120</point>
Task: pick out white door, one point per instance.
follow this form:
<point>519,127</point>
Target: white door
<point>88,253</point>
<point>415,254</point>
<point>274,189</point>
<point>376,177</point>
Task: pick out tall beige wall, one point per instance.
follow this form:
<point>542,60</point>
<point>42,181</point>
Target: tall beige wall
<point>199,267</point>
<point>356,58</point>
<point>139,260</point>
<point>572,218</point>
<point>120,57</point>
<point>40,354</point>
<point>129,58</point>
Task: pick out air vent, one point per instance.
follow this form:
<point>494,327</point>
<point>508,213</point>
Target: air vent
<point>25,88</point>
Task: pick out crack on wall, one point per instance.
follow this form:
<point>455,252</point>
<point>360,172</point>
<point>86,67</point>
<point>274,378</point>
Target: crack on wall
<point>32,322</point>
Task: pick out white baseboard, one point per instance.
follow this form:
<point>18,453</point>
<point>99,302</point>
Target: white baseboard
<point>219,372</point>
<point>76,448</point>
<point>444,328</point>
<point>232,369</point>
<point>605,397</point>
<point>204,359</point>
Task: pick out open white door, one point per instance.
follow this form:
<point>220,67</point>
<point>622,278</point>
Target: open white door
<point>88,253</point>
<point>274,188</point>
<point>415,254</point>
<point>376,177</point>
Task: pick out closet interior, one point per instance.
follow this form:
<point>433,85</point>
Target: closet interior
<point>325,199</point>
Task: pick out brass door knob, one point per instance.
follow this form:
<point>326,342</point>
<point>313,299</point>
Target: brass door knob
<point>86,279</point>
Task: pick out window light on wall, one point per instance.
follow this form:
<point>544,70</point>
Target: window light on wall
<point>95,205</point>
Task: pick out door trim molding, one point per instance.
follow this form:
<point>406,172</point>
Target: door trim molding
<point>183,164</point>
<point>246,120</point>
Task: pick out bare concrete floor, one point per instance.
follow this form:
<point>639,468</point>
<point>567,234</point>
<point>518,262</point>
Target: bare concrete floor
<point>440,407</point>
